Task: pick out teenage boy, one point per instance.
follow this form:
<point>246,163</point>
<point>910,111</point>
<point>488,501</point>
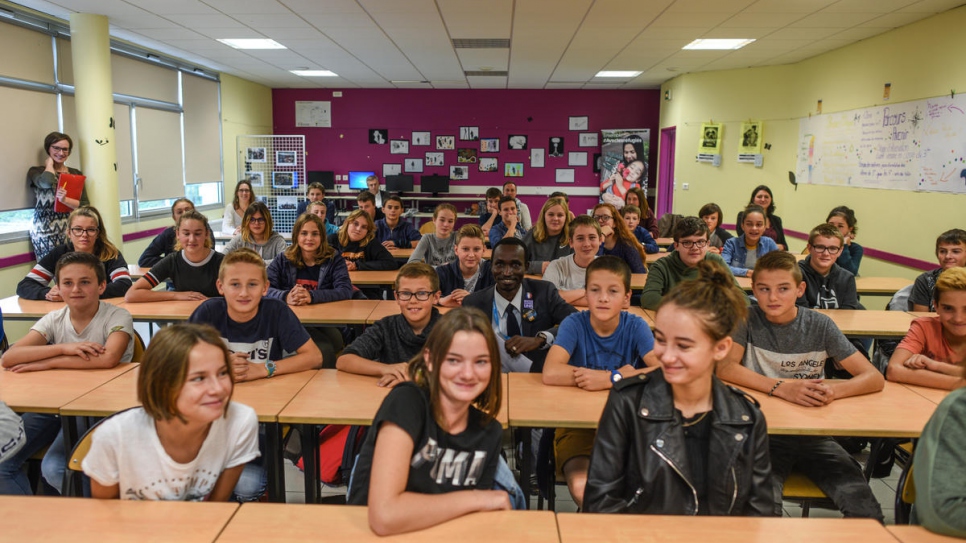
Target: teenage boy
<point>393,232</point>
<point>367,203</point>
<point>510,226</point>
<point>523,212</point>
<point>951,252</point>
<point>490,216</point>
<point>316,193</point>
<point>782,350</point>
<point>386,347</point>
<point>594,350</point>
<point>827,285</point>
<point>569,273</point>
<point>690,247</point>
<point>632,218</point>
<point>86,334</point>
<point>469,272</point>
<point>320,210</point>
<point>526,312</point>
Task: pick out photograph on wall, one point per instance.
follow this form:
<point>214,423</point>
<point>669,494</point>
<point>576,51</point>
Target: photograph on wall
<point>285,180</point>
<point>587,139</point>
<point>579,123</point>
<point>459,172</point>
<point>564,175</point>
<point>287,203</point>
<point>414,165</point>
<point>257,179</point>
<point>710,143</point>
<point>399,147</point>
<point>556,146</point>
<point>285,158</point>
<point>577,159</point>
<point>465,155</point>
<point>596,162</point>
<point>378,136</point>
<point>255,154</point>
<point>469,133</point>
<point>750,138</point>
<point>489,164</point>
<point>420,139</point>
<point>434,159</point>
<point>391,169</point>
<point>537,158</point>
<point>490,145</point>
<point>445,143</point>
<point>513,169</point>
<point>517,142</point>
<point>623,163</point>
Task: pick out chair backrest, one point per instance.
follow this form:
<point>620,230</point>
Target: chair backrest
<point>428,227</point>
<point>84,445</point>
<point>908,490</point>
<point>138,348</point>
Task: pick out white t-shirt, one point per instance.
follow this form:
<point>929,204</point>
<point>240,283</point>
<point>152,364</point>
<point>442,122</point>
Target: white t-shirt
<point>565,274</point>
<point>57,328</point>
<point>126,450</point>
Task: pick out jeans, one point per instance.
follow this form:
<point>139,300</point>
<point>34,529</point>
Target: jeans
<point>833,470</point>
<point>54,464</point>
<point>254,478</point>
<point>39,431</point>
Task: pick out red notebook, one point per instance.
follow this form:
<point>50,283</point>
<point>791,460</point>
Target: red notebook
<point>75,187</point>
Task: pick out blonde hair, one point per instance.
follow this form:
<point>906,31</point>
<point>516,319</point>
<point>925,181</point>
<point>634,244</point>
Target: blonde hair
<point>951,280</point>
<point>470,231</point>
<point>104,250</point>
<point>243,255</point>
<point>540,233</point>
<point>294,253</point>
<point>344,229</point>
<point>444,207</point>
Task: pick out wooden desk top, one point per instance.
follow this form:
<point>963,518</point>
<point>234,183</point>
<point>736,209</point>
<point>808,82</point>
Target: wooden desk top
<point>137,272</point>
<point>300,522</point>
<point>934,395</point>
<point>538,405</point>
<point>918,534</point>
<point>373,277</point>
<point>386,308</point>
<point>171,310</point>
<point>15,308</point>
<point>863,285</point>
<point>664,242</point>
<point>48,391</point>
<point>854,322</point>
<point>918,314</point>
<point>341,312</point>
<point>81,520</point>
<point>337,397</point>
<point>654,257</point>
<point>581,528</point>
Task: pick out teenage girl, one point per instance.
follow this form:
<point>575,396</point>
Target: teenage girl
<point>448,410</point>
<point>437,249</point>
<point>355,241</point>
<point>843,218</point>
<point>547,240</point>
<point>163,244</point>
<point>636,197</point>
<point>618,240</point>
<point>676,440</point>
<point>741,253</point>
<point>188,441</point>
<point>258,233</point>
<point>762,196</point>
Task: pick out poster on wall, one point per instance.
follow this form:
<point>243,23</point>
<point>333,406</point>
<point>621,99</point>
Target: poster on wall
<point>313,114</point>
<point>709,142</point>
<point>623,163</point>
<point>751,137</point>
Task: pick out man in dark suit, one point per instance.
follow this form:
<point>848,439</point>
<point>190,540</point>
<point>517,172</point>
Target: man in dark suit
<point>376,190</point>
<point>527,312</point>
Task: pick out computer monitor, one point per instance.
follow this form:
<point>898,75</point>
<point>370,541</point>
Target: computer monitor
<point>327,179</point>
<point>434,183</point>
<point>357,180</point>
<point>399,183</point>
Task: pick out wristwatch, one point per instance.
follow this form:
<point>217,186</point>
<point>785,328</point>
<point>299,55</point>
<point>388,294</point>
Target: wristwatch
<point>615,376</point>
<point>270,367</point>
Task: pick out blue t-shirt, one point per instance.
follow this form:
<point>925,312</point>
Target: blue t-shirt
<point>274,333</point>
<point>630,341</point>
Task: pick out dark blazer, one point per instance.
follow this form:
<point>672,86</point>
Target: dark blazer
<point>549,307</point>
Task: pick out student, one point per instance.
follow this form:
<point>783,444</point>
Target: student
<point>244,196</point>
<point>103,341</point>
<point>490,216</point>
<point>741,253</point>
<point>712,216</point>
<point>827,285</point>
<point>569,273</point>
<point>469,272</point>
<point>387,346</point>
<point>193,269</point>
<point>163,244</point>
<point>85,235</point>
<point>372,182</point>
<point>594,350</point>
<point>449,411</point>
<point>618,240</point>
<point>763,198</point>
<point>782,350</point>
<point>691,247</point>
<point>510,226</point>
<point>631,215</point>
<point>523,211</point>
<point>188,441</point>
<point>436,249</point>
<point>940,467</point>
<point>393,232</point>
<point>11,432</point>
<point>321,211</point>
<point>356,242</point>
<point>635,197</point>
<point>951,252</point>
<point>547,241</point>
<point>843,218</point>
<point>933,353</point>
<point>311,272</point>
<point>711,454</point>
<point>316,193</point>
<point>258,233</point>
<point>367,203</point>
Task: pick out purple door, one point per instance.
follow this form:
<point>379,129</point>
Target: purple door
<point>665,172</point>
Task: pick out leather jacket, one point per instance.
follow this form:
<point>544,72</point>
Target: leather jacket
<point>639,461</point>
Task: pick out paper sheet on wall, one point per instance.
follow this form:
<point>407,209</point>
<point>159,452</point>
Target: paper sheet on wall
<point>313,114</point>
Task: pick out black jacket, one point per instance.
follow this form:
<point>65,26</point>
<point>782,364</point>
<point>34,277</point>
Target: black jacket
<point>833,291</point>
<point>451,278</point>
<point>639,462</point>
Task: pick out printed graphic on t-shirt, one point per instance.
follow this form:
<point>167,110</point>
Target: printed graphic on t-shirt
<point>307,283</point>
<point>450,466</point>
<point>786,365</point>
<point>827,299</point>
<point>258,351</point>
<point>192,489</point>
<point>354,256</point>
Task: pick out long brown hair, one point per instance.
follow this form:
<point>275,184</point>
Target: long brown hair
<point>103,248</point>
<point>639,192</point>
<point>370,228</point>
<point>294,252</point>
<point>251,198</point>
<point>256,207</point>
<point>540,232</point>
<point>623,233</point>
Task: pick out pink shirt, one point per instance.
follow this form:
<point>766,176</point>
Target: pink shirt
<point>925,336</point>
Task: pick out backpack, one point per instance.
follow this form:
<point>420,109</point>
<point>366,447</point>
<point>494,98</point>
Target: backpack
<point>885,347</point>
<point>338,446</point>
<point>666,224</point>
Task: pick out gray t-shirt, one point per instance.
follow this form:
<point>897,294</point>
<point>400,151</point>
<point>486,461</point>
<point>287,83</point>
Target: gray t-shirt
<point>57,328</point>
<point>434,251</point>
<point>797,350</point>
<point>751,259</point>
<point>565,274</point>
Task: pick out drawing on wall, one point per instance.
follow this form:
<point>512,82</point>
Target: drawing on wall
<point>513,169</point>
<point>257,179</point>
<point>623,163</point>
<point>489,164</point>
<point>577,159</point>
<point>490,145</point>
<point>556,146</point>
<point>710,139</point>
<point>434,159</point>
<point>285,180</point>
<point>469,133</point>
<point>391,169</point>
<point>587,139</point>
<point>565,175</point>
<point>459,172</point>
<point>255,154</point>
<point>465,155</point>
<point>517,142</point>
<point>379,136</point>
<point>579,123</point>
<point>414,165</point>
<point>750,138</point>
<point>420,139</point>
<point>285,158</point>
<point>537,158</point>
<point>399,147</point>
<point>445,143</point>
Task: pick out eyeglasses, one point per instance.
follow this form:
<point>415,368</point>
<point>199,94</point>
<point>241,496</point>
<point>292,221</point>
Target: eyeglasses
<point>422,295</point>
<point>700,244</point>
<point>603,218</point>
<point>65,150</point>
<point>242,190</point>
<point>829,250</point>
<point>78,231</point>
<point>257,220</point>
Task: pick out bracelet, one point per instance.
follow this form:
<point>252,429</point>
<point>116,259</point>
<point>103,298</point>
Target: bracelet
<point>772,391</point>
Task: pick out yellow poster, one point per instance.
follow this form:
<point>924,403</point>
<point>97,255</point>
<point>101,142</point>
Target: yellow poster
<point>710,142</point>
<point>750,138</point>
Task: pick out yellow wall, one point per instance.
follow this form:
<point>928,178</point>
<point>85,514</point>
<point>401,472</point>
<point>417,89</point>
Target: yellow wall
<point>246,108</point>
<point>921,60</point>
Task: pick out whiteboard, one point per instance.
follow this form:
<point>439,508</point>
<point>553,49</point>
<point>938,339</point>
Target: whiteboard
<point>917,146</point>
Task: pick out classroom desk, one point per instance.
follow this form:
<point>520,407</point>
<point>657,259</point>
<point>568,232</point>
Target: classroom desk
<point>581,528</point>
<point>918,534</point>
<point>327,314</point>
<point>48,391</point>
<point>934,395</point>
<point>373,277</point>
<point>257,522</point>
<point>654,257</point>
<point>137,272</point>
<point>386,308</point>
<point>862,323</point>
<point>83,520</point>
<point>15,308</point>
<point>664,242</point>
<point>167,311</point>
<point>873,286</point>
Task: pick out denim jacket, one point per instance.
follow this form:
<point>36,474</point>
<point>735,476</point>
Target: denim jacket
<point>734,253</point>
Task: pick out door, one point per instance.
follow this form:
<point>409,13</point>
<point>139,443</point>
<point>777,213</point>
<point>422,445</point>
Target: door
<point>665,171</point>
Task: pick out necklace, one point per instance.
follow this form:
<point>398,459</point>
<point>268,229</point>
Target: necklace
<point>697,420</point>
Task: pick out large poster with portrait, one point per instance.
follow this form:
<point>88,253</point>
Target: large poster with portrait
<point>623,163</point>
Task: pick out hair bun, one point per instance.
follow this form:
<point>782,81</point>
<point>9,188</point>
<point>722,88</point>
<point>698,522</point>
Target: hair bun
<point>714,273</point>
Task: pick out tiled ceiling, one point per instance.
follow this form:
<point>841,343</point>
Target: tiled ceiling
<point>553,43</point>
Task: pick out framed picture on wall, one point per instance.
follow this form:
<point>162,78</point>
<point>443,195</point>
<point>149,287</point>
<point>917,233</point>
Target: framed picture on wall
<point>255,154</point>
<point>579,123</point>
<point>587,139</point>
<point>577,159</point>
<point>378,136</point>
<point>517,142</point>
<point>285,180</point>
<point>466,155</point>
<point>565,175</point>
<point>537,158</point>
<point>399,147</point>
<point>445,143</point>
<point>420,139</point>
<point>434,159</point>
<point>469,133</point>
<point>490,145</point>
<point>459,172</point>
<point>556,146</point>
<point>287,203</point>
<point>257,179</point>
<point>489,164</point>
<point>513,169</point>
<point>391,169</point>
<point>285,158</point>
<point>414,165</point>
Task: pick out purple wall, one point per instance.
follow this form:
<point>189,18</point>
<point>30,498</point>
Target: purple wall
<point>539,114</point>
